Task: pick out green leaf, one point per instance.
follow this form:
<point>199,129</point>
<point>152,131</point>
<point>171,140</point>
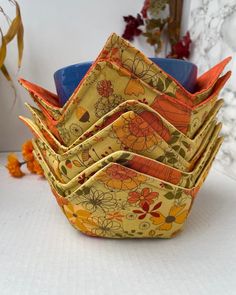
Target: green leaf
<point>176,147</point>
<point>169,196</point>
<point>173,139</point>
<point>79,192</point>
<point>185,144</point>
<point>160,85</point>
<point>161,158</point>
<point>170,93</point>
<point>176,133</point>
<point>172,161</point>
<point>170,154</point>
<point>168,186</point>
<point>182,153</point>
<point>86,190</point>
<point>178,194</point>
<point>124,156</point>
<point>64,170</point>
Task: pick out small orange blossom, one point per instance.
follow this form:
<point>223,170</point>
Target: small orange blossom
<point>13,166</point>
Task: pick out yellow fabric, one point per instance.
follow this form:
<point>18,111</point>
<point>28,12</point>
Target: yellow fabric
<point>193,144</point>
<point>101,207</point>
<point>92,102</point>
<point>128,152</point>
<point>147,166</point>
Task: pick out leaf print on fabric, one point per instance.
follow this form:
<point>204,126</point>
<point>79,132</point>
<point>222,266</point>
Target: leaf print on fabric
<point>134,87</point>
<point>104,88</point>
<point>177,214</point>
<point>94,200</point>
<point>146,210</point>
<point>121,178</point>
<point>145,196</point>
<point>135,133</point>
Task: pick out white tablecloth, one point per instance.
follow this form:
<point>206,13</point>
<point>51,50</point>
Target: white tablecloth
<point>40,253</point>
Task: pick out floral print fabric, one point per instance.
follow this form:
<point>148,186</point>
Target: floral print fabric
<point>128,152</point>
<point>137,163</point>
<point>82,111</point>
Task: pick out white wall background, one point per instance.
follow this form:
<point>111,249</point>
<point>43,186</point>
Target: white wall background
<point>57,33</point>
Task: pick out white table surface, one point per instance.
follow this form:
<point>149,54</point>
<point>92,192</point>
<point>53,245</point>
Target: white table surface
<point>40,253</point>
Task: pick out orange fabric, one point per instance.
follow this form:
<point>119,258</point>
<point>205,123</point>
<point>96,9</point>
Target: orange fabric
<point>154,169</point>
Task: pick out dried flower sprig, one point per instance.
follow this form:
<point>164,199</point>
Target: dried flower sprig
<point>15,30</point>
<point>181,49</point>
<point>156,19</point>
<point>132,27</point>
<point>14,165</point>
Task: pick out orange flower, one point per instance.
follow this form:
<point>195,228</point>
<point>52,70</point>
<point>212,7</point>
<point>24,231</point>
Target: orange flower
<point>135,133</point>
<point>119,177</point>
<point>177,214</point>
<point>34,167</point>
<point>37,168</point>
<point>27,151</point>
<point>145,196</point>
<point>79,217</point>
<point>13,166</point>
<point>32,164</point>
<point>104,88</point>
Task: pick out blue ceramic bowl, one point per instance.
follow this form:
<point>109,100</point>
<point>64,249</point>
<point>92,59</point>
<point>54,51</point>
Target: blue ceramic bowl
<point>68,78</point>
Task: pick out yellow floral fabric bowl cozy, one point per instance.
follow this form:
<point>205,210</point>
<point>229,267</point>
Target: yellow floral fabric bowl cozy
<point>127,154</point>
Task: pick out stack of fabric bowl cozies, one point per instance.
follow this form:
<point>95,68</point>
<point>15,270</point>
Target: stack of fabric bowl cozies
<point>127,153</point>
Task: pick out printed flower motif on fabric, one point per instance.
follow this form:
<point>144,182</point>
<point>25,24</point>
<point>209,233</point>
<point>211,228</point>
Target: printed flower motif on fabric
<point>140,198</point>
<point>135,133</point>
<point>106,104</point>
<point>104,88</point>
<point>146,210</point>
<point>177,214</point>
<point>79,218</point>
<point>106,228</point>
<point>118,177</point>
<point>146,71</point>
<point>95,200</point>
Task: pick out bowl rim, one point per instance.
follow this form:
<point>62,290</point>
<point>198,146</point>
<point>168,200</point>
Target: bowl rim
<point>168,60</point>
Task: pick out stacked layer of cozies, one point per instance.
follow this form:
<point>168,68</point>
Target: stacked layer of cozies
<point>129,151</point>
